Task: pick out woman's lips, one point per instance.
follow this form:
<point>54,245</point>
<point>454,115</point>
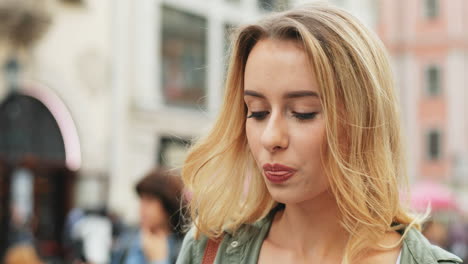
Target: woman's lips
<point>278,173</point>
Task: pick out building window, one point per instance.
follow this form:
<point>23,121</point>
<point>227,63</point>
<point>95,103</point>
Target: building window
<point>273,5</point>
<point>172,151</point>
<point>434,145</point>
<point>433,80</point>
<point>431,8</point>
<point>183,58</point>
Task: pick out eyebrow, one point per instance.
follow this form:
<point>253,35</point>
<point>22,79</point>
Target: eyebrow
<point>290,95</point>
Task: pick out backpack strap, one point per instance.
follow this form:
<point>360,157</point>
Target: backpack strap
<point>211,250</point>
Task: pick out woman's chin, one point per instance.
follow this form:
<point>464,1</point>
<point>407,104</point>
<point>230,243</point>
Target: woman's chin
<point>294,196</point>
<point>286,196</point>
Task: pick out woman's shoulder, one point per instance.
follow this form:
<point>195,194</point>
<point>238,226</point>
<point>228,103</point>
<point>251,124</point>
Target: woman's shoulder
<point>418,250</point>
<point>246,239</point>
<point>192,247</point>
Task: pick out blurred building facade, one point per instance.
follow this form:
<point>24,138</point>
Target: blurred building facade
<point>428,43</point>
<point>68,71</point>
<point>54,97</point>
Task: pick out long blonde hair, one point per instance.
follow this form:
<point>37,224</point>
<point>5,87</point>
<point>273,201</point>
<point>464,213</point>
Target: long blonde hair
<point>363,157</point>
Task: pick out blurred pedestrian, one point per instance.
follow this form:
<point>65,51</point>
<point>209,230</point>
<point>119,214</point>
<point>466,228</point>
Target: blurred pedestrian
<point>20,230</point>
<point>458,238</point>
<point>437,233</point>
<point>158,238</point>
<point>92,236</point>
<point>22,254</point>
<point>304,163</point>
<point>72,246</point>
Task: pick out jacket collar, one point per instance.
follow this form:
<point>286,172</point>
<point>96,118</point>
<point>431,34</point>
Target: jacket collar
<point>420,250</point>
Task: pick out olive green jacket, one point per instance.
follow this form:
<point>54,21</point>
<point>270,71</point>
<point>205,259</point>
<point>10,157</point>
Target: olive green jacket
<point>244,247</point>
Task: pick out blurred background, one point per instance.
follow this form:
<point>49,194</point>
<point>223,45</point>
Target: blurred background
<point>95,93</point>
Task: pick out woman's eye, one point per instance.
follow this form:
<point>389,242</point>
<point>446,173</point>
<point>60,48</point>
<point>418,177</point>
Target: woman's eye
<point>305,116</point>
<point>258,115</point>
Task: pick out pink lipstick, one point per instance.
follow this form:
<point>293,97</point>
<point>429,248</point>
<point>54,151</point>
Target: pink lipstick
<point>277,173</point>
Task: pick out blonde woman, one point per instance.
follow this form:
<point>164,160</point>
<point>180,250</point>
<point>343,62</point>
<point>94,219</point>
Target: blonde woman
<point>304,160</point>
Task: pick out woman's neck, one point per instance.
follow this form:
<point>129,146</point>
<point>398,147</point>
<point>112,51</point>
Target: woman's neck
<point>311,228</point>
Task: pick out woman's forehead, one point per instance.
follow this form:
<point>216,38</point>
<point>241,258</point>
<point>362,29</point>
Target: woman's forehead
<point>279,66</point>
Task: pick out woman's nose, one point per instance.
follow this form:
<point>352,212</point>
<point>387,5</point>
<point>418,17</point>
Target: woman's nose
<point>275,136</point>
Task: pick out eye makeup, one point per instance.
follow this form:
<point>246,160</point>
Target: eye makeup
<point>258,115</point>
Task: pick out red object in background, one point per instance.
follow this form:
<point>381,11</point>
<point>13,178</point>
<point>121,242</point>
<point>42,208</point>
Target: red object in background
<point>49,248</point>
<point>435,195</point>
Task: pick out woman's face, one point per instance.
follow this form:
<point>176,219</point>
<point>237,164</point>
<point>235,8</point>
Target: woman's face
<point>285,125</point>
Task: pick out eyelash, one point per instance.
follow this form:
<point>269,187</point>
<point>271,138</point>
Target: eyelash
<point>304,116</point>
<point>300,116</point>
<point>258,115</point>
